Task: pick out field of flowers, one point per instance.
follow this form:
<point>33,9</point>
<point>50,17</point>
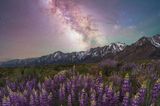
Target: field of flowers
<point>69,88</point>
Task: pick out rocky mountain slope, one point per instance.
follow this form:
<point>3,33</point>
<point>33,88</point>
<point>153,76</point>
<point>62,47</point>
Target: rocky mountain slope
<point>92,55</point>
<point>144,48</point>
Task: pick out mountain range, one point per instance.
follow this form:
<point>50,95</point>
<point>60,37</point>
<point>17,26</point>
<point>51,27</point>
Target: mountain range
<point>144,48</point>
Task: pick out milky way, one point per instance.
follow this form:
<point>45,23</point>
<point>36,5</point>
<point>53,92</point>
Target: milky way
<point>70,13</point>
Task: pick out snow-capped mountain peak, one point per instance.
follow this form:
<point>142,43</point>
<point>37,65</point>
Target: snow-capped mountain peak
<point>155,40</point>
<point>74,57</point>
<point>117,46</point>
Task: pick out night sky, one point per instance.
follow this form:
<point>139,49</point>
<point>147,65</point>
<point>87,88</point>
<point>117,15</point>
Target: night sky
<point>31,28</point>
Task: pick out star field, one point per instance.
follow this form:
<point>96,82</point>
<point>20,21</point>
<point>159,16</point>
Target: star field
<point>31,28</point>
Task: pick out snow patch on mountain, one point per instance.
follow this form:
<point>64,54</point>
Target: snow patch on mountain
<point>156,44</point>
<point>155,41</point>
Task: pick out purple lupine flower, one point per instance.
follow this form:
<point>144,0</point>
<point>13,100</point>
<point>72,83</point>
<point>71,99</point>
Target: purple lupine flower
<point>73,86</point>
<point>1,96</point>
<point>13,97</point>
<point>82,98</point>
<point>47,84</point>
<point>62,93</point>
<point>125,101</point>
<point>6,101</point>
<point>126,85</point>
<point>104,100</point>
<point>135,101</point>
<point>39,85</point>
<point>12,86</point>
<point>31,84</point>
<point>58,91</point>
<point>32,101</point>
<point>156,91</point>
<point>100,94</point>
<point>21,87</point>
<point>21,99</point>
<point>142,93</point>
<point>26,94</point>
<point>99,78</point>
<point>73,95</point>
<point>68,86</point>
<point>69,100</point>
<point>115,99</point>
<point>50,99</point>
<point>110,94</point>
<point>100,88</point>
<point>106,88</point>
<point>85,84</point>
<point>36,97</point>
<point>93,98</point>
<point>140,96</point>
<point>43,98</point>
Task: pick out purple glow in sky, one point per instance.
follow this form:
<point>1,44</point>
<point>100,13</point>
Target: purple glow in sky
<point>31,28</point>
